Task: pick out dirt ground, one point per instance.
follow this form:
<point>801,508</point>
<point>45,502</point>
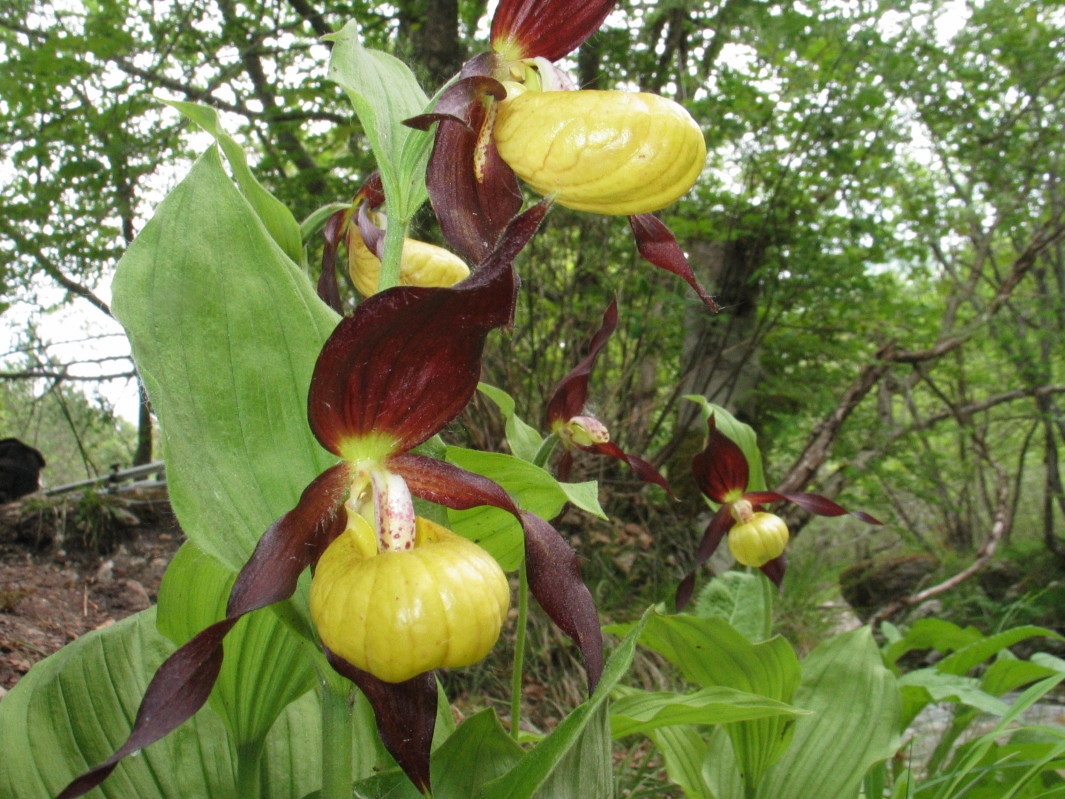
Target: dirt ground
<point>54,584</point>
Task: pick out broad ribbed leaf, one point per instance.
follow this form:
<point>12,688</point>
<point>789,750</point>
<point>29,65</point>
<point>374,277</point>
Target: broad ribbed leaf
<point>70,709</point>
<point>478,751</point>
<point>744,600</point>
<point>684,750</point>
<point>271,211</point>
<point>971,656</point>
<point>710,653</point>
<point>384,92</point>
<point>943,636</point>
<point>524,440</point>
<point>546,28</point>
<point>225,330</point>
<point>855,722</point>
<point>184,681</point>
<point>923,686</point>
<point>643,711</point>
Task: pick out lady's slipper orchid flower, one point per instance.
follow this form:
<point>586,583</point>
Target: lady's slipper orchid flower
<point>755,538</point>
<point>575,429</point>
<point>389,377</point>
<point>514,113</point>
<point>363,226</point>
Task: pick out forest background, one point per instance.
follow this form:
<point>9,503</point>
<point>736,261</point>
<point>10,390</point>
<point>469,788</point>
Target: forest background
<point>880,219</point>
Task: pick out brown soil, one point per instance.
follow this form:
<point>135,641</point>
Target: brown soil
<point>55,585</point>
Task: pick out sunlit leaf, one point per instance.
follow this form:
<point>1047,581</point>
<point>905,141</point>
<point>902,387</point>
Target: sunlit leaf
<point>225,330</point>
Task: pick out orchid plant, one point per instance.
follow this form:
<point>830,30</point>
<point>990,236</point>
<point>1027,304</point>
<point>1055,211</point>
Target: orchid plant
<point>379,551</point>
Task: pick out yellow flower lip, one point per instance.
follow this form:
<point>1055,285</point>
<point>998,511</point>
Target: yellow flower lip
<point>759,540</point>
<point>608,152</point>
<point>399,614</point>
<point>421,264</point>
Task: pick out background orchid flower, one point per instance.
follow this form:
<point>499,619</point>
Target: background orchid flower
<point>722,473</point>
<point>389,377</point>
<point>648,148</point>
<point>575,429</point>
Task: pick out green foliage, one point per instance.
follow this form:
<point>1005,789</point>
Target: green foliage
<point>255,349</point>
<point>65,714</point>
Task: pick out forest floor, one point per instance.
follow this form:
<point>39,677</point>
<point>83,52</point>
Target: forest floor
<point>55,588</point>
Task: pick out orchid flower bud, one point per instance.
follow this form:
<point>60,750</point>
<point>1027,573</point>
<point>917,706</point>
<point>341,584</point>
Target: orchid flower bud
<point>609,152</point>
<point>399,614</point>
<point>585,431</point>
<point>758,541</point>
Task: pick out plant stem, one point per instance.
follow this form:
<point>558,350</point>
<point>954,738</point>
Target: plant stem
<point>395,234</point>
<point>546,448</point>
<point>248,759</point>
<point>519,652</point>
<point>337,739</point>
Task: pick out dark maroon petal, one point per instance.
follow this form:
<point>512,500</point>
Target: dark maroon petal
<point>571,393</point>
<point>554,573</point>
<point>450,485</point>
<point>721,468</point>
<point>372,191</point>
<point>640,467</point>
<point>372,236</point>
<point>184,681</point>
<point>473,211</point>
<point>715,531</point>
<point>405,713</point>
<point>458,101</point>
<point>775,569</point>
<point>555,580</point>
<point>658,246</point>
<point>547,28</point>
<point>328,290</point>
<point>814,503</point>
<point>408,360</point>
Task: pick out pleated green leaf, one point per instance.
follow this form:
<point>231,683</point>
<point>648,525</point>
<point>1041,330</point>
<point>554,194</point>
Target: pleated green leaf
<point>477,752</point>
<point>384,92</point>
<point>643,711</point>
<point>74,708</point>
<point>225,331</point>
<point>743,599</point>
<point>684,751</point>
<point>272,212</point>
<point>855,722</point>
<point>709,652</point>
